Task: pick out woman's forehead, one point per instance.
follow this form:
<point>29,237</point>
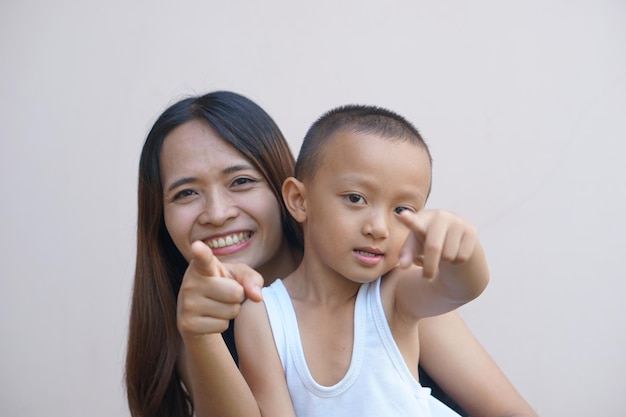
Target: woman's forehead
<point>194,147</point>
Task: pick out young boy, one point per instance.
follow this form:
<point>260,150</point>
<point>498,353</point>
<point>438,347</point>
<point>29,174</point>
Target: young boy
<point>339,336</point>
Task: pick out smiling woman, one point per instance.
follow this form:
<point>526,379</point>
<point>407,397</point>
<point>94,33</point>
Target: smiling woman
<point>211,169</point>
<point>215,195</point>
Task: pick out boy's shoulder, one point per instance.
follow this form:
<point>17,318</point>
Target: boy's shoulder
<point>403,292</point>
<point>397,277</point>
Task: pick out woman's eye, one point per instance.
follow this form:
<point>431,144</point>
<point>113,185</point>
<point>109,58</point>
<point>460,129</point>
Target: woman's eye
<point>183,194</point>
<point>243,181</point>
<point>355,198</point>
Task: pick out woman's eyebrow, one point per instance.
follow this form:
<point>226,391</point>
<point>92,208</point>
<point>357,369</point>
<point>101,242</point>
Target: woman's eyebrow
<point>237,168</point>
<point>180,182</point>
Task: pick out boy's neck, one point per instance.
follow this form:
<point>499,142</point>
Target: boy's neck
<point>316,285</point>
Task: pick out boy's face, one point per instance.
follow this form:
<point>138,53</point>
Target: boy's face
<point>361,184</point>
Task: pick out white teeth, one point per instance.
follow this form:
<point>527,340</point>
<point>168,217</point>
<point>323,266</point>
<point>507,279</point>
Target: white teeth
<point>366,253</point>
<point>229,240</point>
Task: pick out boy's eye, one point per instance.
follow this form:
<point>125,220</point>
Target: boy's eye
<point>399,210</point>
<point>355,198</point>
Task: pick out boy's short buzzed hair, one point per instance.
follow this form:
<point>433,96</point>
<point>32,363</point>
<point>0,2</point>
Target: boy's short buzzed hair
<point>358,119</point>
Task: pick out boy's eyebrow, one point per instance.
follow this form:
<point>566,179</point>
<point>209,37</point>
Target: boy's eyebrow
<point>228,170</point>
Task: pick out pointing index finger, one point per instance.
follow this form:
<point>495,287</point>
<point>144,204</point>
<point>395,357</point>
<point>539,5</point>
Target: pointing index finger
<point>205,262</point>
<point>425,241</point>
<point>417,222</point>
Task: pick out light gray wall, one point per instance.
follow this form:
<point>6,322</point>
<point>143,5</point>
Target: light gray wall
<point>522,103</point>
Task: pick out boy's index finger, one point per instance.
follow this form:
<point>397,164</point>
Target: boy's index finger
<point>206,262</point>
<point>432,254</point>
<point>428,253</point>
<point>416,222</point>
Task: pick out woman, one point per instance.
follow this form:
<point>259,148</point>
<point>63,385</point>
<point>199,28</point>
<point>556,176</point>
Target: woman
<point>211,169</point>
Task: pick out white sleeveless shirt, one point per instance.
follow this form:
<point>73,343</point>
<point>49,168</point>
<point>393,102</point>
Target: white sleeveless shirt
<point>377,383</point>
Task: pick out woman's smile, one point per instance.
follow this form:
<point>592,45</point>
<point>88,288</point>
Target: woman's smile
<point>229,243</point>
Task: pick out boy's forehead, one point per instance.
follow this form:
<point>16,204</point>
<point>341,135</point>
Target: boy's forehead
<point>348,140</point>
<point>374,161</point>
<point>344,145</point>
<point>345,138</point>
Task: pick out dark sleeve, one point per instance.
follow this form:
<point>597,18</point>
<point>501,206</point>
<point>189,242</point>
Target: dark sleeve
<point>229,339</point>
<point>438,393</point>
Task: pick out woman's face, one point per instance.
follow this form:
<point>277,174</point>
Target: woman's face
<point>212,193</point>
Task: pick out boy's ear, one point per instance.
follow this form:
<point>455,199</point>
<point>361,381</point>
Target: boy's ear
<point>294,195</point>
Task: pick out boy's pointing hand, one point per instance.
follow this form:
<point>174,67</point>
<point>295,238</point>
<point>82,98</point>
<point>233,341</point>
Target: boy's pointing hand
<point>436,236</point>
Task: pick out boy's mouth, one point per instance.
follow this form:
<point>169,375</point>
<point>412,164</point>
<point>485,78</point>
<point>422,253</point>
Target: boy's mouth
<point>368,256</point>
<point>367,253</point>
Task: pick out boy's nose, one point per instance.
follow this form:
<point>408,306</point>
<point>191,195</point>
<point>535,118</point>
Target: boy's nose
<point>376,226</point>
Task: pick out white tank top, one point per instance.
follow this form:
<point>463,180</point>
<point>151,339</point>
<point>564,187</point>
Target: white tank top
<point>377,383</point>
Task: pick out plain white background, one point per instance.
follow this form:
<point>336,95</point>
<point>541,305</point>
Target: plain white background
<point>522,103</point>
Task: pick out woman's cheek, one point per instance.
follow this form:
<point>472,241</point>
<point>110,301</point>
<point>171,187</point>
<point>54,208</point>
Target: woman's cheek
<point>179,229</point>
<point>275,219</point>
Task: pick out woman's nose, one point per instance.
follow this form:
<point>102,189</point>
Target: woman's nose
<point>219,207</point>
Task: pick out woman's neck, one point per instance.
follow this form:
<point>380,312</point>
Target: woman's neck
<point>282,264</point>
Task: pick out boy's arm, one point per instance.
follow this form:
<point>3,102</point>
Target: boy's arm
<point>458,363</point>
<point>259,361</point>
<point>448,249</point>
<point>453,269</point>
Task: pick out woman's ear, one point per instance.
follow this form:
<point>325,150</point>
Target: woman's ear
<point>294,195</point>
